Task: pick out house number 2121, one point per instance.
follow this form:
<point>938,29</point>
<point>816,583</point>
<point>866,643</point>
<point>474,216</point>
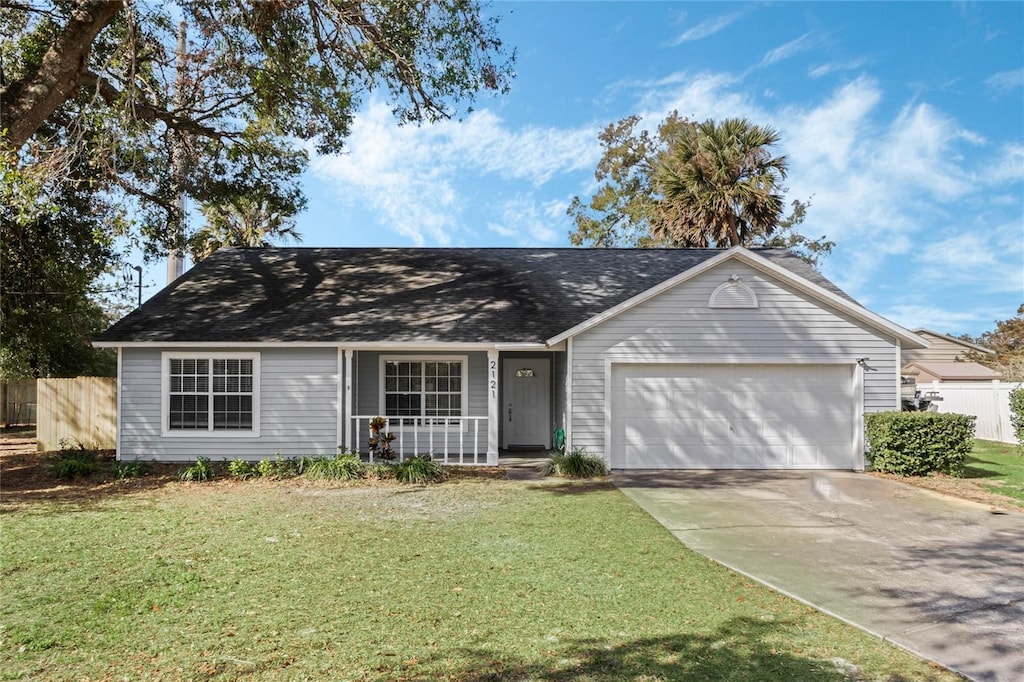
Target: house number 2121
<point>494,378</point>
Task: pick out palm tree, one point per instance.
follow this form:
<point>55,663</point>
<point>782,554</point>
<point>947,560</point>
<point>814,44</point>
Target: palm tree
<point>719,185</point>
<point>241,221</point>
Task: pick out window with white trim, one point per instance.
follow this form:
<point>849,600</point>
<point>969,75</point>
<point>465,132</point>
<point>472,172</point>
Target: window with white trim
<point>423,387</point>
<point>211,393</point>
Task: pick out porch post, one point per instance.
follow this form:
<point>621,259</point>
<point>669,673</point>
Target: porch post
<point>492,407</point>
<point>347,409</point>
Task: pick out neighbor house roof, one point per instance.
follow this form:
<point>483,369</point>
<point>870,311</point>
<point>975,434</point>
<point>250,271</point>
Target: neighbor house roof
<point>952,339</point>
<point>951,371</point>
<point>360,295</point>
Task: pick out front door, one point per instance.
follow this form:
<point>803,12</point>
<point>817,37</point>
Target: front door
<point>527,409</point>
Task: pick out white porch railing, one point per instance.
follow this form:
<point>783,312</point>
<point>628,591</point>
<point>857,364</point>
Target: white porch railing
<point>448,440</point>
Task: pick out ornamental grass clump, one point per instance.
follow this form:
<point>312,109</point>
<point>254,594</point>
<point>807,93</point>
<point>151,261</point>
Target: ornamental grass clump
<point>576,464</point>
<point>342,467</point>
<point>418,469</point>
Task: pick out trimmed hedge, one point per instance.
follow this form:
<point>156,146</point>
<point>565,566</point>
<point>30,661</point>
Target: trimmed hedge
<point>1017,415</point>
<point>918,443</point>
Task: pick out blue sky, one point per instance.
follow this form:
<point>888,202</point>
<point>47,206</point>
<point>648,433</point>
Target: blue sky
<point>903,124</point>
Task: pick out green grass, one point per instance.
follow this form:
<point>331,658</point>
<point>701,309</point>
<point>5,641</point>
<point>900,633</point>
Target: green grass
<point>468,580</point>
<point>1000,465</point>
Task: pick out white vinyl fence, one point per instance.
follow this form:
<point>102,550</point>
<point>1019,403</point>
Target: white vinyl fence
<point>989,401</point>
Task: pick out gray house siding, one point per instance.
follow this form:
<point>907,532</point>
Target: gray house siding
<point>298,408</point>
<point>678,324</point>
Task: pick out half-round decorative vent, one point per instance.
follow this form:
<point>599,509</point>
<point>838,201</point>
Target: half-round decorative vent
<point>733,294</point>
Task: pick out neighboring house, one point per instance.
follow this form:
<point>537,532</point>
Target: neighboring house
<point>943,360</point>
<point>653,358</point>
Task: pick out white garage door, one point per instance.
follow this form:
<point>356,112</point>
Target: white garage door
<point>732,417</point>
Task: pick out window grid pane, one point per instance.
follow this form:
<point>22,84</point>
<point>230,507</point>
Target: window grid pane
<point>191,390</point>
<point>423,389</point>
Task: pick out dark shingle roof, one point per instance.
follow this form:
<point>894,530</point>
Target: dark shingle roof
<point>405,294</point>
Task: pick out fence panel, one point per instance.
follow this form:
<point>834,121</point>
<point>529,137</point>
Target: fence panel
<point>988,401</point>
<point>17,401</point>
<point>83,408</point>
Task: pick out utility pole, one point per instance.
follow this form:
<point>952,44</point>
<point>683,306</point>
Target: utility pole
<point>175,255</point>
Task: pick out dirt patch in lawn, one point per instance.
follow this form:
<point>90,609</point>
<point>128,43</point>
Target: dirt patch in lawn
<point>26,476</point>
<point>965,488</point>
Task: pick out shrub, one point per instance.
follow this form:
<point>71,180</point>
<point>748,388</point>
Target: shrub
<point>277,468</point>
<point>918,443</point>
<point>74,459</point>
<point>342,467</point>
<point>576,464</point>
<point>418,469</point>
<point>241,469</point>
<point>126,470</point>
<point>201,470</point>
<point>1017,415</point>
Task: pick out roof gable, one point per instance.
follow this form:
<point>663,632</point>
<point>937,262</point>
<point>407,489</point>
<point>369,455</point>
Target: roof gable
<point>830,296</point>
<point>929,334</point>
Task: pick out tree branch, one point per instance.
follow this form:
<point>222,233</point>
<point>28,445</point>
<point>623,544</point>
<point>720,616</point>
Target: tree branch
<point>28,102</point>
<point>147,112</point>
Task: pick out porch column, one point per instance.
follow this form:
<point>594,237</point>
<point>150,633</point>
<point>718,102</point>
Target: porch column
<point>492,408</point>
<point>346,410</point>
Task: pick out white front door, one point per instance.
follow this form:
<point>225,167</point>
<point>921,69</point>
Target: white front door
<point>527,409</point>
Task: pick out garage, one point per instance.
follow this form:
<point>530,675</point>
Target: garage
<point>733,416</point>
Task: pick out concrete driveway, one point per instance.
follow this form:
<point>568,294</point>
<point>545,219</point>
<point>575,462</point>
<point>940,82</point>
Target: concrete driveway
<point>941,577</point>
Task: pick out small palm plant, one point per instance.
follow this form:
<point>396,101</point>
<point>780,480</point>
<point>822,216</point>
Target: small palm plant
<point>380,440</point>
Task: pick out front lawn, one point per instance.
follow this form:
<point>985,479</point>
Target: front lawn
<point>998,467</point>
<point>468,580</point>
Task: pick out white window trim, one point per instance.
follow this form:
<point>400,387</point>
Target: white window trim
<point>165,397</point>
<point>464,359</point>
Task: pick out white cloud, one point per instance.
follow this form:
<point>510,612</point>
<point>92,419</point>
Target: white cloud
<point>829,132</point>
<point>942,320</point>
<point>1008,166</point>
<point>408,176</point>
<point>706,28</point>
<point>1004,81</point>
<point>793,47</point>
<point>529,223</point>
<point>833,67</point>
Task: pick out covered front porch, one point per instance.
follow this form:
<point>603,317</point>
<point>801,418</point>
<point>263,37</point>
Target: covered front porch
<point>462,406</point>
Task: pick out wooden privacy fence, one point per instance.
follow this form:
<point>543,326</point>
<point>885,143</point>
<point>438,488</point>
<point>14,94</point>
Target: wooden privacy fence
<point>82,409</point>
<point>989,401</point>
<point>17,401</point>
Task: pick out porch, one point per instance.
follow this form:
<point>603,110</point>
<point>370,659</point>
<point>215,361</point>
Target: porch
<point>458,407</point>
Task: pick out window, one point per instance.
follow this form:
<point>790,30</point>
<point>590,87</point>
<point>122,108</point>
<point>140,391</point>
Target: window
<point>212,393</point>
<point>423,387</point>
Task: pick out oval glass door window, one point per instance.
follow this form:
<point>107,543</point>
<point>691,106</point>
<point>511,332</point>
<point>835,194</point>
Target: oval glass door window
<point>524,373</point>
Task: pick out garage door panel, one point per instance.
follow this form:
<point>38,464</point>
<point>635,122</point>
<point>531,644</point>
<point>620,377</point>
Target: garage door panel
<point>732,416</point>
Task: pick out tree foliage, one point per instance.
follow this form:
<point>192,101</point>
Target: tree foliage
<point>53,250</point>
<point>241,221</point>
<point>1007,340</point>
<point>691,185</point>
<point>125,107</point>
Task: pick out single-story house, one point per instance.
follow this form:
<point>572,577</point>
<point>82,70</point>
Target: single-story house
<point>944,360</point>
<point>649,358</point>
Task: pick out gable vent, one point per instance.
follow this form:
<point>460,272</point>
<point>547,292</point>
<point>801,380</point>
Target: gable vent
<point>733,294</point>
